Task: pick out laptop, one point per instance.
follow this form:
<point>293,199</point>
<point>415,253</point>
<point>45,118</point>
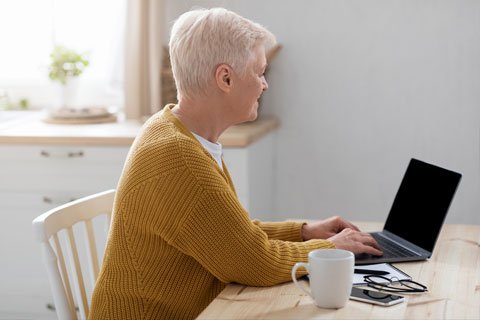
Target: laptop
<point>417,214</point>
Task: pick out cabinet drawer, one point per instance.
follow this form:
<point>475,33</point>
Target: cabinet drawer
<point>84,154</point>
<point>60,167</point>
<point>26,306</point>
<point>38,202</point>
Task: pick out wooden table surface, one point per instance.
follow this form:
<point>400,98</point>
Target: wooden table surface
<point>452,276</point>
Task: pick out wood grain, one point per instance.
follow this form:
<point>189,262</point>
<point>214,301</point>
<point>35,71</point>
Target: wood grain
<point>452,276</point>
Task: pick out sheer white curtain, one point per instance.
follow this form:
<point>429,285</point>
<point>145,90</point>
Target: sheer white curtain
<point>29,29</point>
<point>143,57</point>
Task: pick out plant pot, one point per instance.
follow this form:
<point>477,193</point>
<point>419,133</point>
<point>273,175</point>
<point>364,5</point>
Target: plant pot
<point>68,93</point>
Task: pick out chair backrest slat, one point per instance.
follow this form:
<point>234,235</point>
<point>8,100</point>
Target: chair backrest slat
<point>63,272</point>
<point>63,276</point>
<point>93,251</point>
<point>78,272</point>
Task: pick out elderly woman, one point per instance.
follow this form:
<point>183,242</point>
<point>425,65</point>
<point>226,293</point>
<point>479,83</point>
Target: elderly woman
<point>179,233</point>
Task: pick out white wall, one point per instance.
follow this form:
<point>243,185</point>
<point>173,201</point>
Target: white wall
<point>361,87</point>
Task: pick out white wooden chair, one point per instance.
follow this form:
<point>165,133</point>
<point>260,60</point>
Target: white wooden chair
<point>50,228</point>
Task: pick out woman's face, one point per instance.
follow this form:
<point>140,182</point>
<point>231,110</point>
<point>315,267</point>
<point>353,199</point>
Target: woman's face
<point>249,87</point>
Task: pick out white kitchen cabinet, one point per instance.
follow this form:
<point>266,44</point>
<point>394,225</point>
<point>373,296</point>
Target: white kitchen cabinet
<point>39,174</point>
<point>34,179</point>
<point>252,172</point>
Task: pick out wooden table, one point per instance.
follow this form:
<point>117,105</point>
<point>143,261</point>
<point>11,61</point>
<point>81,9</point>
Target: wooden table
<point>452,276</point>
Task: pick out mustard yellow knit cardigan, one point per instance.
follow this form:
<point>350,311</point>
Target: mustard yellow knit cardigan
<point>179,233</point>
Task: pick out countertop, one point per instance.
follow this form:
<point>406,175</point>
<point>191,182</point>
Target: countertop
<point>27,127</point>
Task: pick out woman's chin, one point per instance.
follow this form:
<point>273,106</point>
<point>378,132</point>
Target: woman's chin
<point>253,114</point>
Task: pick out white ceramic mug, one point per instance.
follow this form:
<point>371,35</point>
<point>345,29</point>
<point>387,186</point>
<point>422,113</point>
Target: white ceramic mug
<point>331,274</point>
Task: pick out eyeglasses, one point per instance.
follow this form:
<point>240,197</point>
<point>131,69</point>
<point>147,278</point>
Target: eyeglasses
<point>394,284</point>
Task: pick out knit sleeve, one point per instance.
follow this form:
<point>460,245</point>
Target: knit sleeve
<point>222,238</point>
<point>282,230</point>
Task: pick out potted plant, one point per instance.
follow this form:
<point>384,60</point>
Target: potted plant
<point>65,67</point>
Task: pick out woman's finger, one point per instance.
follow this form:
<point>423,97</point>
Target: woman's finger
<point>371,250</point>
<point>369,240</point>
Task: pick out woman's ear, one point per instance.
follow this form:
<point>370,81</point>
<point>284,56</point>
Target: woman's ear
<point>223,77</point>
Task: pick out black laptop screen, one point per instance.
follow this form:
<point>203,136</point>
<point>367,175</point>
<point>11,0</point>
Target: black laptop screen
<point>421,203</point>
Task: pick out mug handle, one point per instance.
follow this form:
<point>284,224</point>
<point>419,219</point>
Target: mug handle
<point>294,276</point>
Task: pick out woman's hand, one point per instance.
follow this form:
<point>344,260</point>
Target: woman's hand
<point>356,241</point>
<point>325,229</point>
<point>343,234</point>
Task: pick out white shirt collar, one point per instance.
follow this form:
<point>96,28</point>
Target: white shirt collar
<point>215,149</point>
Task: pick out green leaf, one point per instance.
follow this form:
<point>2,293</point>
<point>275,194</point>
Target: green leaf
<point>66,63</point>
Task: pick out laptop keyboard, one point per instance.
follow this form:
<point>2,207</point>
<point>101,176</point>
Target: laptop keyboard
<point>391,249</point>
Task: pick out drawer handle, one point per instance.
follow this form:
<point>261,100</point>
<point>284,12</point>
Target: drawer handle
<point>77,154</point>
<point>51,306</point>
<point>71,154</point>
<point>49,200</point>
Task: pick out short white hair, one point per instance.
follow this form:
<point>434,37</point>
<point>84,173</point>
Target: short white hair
<point>202,39</point>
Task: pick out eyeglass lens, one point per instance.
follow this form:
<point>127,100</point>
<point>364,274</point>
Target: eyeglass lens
<point>384,283</point>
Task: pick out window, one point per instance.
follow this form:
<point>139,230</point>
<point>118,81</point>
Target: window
<point>29,29</point>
